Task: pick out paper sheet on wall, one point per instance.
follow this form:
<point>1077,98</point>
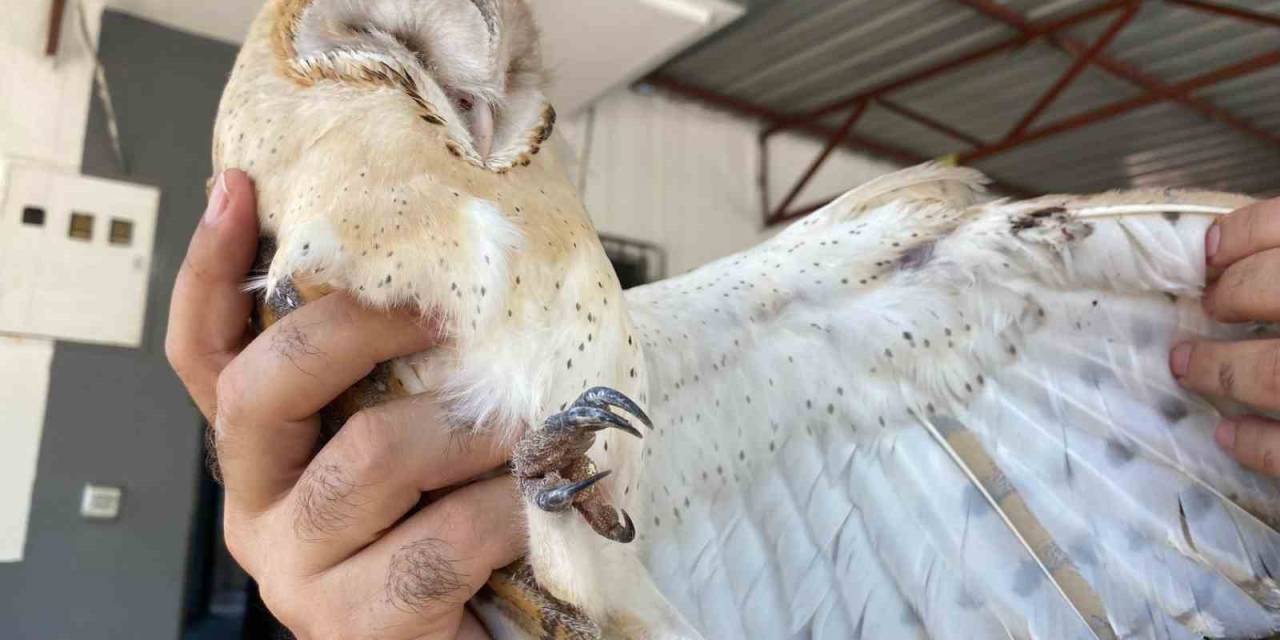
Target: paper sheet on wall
<point>24,386</point>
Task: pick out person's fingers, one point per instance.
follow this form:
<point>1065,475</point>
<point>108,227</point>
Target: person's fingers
<point>1253,441</point>
<point>1248,372</point>
<point>373,472</point>
<point>1242,233</point>
<point>1245,292</point>
<point>269,395</point>
<point>209,311</point>
<point>434,561</point>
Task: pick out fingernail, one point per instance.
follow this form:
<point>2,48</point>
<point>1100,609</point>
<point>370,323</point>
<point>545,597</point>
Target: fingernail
<point>1180,360</point>
<point>1225,434</point>
<point>217,200</point>
<point>1211,241</point>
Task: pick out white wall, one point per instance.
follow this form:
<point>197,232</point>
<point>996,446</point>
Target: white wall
<point>226,20</point>
<point>684,176</point>
<point>44,101</point>
<point>24,384</point>
<point>44,105</point>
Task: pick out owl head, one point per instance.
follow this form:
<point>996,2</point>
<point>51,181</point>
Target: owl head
<point>471,66</point>
<point>398,151</point>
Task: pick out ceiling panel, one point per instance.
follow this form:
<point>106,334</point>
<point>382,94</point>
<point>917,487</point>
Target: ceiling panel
<point>789,58</point>
<point>591,46</point>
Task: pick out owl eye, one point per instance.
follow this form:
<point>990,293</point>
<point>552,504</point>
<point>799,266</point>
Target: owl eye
<point>464,104</point>
<point>479,117</point>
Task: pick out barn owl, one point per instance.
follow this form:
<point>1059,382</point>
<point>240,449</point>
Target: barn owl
<point>918,413</point>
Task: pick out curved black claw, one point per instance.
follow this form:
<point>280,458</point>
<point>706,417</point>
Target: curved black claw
<point>559,498</point>
<point>592,418</point>
<point>605,397</point>
<point>623,532</point>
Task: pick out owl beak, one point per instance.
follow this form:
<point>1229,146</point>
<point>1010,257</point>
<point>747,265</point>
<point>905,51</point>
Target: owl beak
<point>482,119</point>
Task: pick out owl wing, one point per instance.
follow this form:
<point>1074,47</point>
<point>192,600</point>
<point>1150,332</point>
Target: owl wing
<point>913,416</point>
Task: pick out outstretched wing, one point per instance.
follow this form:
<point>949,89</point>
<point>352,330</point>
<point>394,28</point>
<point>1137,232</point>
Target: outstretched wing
<point>913,416</point>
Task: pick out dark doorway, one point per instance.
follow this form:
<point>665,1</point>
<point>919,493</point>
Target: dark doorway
<point>636,262</point>
<point>218,591</point>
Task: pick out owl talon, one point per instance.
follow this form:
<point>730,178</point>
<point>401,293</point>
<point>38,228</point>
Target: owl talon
<point>553,469</point>
<point>623,532</point>
<point>590,419</point>
<point>604,520</point>
<point>604,397</point>
<point>560,497</point>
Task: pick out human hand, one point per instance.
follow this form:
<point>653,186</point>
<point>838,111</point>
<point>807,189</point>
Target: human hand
<point>328,536</point>
<point>1243,253</point>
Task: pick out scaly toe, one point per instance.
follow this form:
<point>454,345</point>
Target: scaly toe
<point>605,521</point>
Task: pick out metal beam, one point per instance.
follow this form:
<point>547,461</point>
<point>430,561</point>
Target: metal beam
<point>931,123</point>
<point>762,158</point>
<point>840,134</point>
<point>1031,32</point>
<point>1077,67</point>
<point>770,117</point>
<point>55,27</point>
<point>818,131</point>
<point>1234,12</point>
<point>1129,73</point>
<point>1252,65</point>
<point>1157,90</point>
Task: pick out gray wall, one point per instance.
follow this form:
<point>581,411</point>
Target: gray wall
<point>119,416</point>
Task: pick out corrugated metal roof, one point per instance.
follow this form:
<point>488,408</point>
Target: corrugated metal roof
<point>793,56</point>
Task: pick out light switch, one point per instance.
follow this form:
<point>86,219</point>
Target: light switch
<point>100,503</point>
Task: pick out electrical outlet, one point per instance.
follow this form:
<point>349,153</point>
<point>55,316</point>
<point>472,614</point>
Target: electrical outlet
<point>99,502</point>
<point>75,255</point>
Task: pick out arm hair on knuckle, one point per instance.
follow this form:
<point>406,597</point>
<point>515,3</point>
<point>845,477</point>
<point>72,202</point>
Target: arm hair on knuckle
<point>325,500</point>
<point>211,454</point>
<point>424,573</point>
<point>291,342</point>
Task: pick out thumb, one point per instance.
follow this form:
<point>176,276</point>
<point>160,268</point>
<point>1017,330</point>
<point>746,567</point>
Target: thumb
<point>209,311</point>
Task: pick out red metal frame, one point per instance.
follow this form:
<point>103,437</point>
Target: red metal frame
<point>1026,130</point>
<point>1129,73</point>
<point>817,163</point>
<point>1029,34</point>
<point>1234,12</point>
<point>1125,106</point>
<point>1074,71</point>
<point>773,118</point>
<point>56,9</point>
<point>936,125</point>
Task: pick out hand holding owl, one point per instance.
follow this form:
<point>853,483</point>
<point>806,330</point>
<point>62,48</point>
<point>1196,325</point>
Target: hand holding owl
<point>334,539</point>
<point>1243,252</point>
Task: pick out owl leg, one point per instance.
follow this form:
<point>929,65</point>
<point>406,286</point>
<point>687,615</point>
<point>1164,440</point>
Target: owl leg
<point>554,471</point>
